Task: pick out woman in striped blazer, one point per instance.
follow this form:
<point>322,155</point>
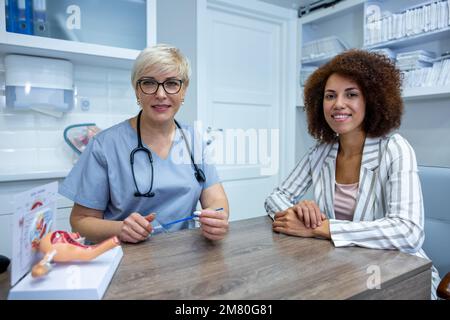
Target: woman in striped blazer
<point>364,177</point>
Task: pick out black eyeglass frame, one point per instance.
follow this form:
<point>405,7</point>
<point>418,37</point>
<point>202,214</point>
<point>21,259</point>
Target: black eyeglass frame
<point>163,84</point>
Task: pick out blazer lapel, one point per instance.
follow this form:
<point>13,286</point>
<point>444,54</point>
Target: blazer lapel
<point>367,179</point>
<point>327,181</point>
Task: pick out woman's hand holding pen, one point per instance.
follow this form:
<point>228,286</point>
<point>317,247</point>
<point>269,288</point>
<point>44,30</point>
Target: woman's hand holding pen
<point>213,223</point>
<point>136,228</point>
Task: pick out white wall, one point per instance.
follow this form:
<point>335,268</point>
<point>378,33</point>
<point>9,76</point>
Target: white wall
<point>31,141</point>
<point>426,125</point>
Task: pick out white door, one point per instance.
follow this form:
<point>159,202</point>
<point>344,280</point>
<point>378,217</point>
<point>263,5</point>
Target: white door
<point>244,78</point>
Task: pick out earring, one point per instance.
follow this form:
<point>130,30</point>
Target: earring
<point>182,101</point>
<point>138,102</point>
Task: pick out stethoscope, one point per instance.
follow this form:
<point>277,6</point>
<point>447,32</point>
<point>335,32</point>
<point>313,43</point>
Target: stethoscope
<point>199,174</point>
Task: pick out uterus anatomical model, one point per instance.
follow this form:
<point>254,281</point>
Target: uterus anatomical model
<point>62,246</point>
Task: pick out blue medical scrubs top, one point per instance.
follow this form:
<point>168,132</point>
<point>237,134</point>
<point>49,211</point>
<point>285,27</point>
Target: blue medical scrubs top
<point>102,177</point>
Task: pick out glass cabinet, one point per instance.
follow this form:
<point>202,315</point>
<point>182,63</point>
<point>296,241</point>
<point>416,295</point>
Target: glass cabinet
<point>113,28</point>
<point>116,23</point>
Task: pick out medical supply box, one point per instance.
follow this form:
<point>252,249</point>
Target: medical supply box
<point>38,83</point>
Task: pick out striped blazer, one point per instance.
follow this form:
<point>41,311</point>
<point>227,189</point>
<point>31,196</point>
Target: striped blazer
<point>389,210</point>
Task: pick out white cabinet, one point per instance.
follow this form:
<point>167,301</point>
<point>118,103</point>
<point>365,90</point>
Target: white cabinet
<point>409,26</point>
<point>380,25</point>
<point>325,32</point>
<point>401,26</point>
<point>108,33</point>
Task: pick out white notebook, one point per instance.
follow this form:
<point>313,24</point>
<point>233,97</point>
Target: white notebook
<point>80,280</point>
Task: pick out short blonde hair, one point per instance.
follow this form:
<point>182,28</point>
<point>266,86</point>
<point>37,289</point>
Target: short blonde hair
<point>161,58</point>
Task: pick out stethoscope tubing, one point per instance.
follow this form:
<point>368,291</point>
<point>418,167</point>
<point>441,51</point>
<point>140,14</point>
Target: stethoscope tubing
<point>199,174</point>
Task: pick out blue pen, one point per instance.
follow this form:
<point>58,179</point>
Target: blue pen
<point>165,225</point>
<point>192,216</point>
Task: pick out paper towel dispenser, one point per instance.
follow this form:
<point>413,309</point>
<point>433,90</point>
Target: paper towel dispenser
<point>42,84</point>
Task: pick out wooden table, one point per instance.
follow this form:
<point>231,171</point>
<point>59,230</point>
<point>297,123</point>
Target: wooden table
<point>253,262</point>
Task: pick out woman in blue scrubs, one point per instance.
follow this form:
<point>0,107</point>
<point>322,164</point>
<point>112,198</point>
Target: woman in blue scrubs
<point>148,170</point>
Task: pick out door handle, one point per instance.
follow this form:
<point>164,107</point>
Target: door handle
<point>212,138</point>
<point>210,129</point>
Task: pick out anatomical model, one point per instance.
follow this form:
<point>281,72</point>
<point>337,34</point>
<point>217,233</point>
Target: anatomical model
<point>62,246</point>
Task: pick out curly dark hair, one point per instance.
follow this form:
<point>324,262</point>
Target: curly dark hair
<point>380,82</point>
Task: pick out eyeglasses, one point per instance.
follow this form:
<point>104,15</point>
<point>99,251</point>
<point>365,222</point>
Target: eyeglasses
<point>151,86</point>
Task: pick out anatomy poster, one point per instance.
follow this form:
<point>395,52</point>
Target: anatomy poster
<point>33,218</point>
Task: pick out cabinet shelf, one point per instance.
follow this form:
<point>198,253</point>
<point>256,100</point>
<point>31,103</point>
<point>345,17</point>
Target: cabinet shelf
<point>318,61</point>
<point>85,53</point>
<point>408,94</point>
<point>420,93</point>
<point>300,101</point>
<point>33,175</point>
<point>336,9</point>
<point>440,34</point>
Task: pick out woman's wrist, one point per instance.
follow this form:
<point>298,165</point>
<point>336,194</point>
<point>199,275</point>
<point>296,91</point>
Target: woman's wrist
<point>219,208</point>
<point>323,231</point>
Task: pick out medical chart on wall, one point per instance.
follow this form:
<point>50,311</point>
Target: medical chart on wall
<point>34,214</point>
